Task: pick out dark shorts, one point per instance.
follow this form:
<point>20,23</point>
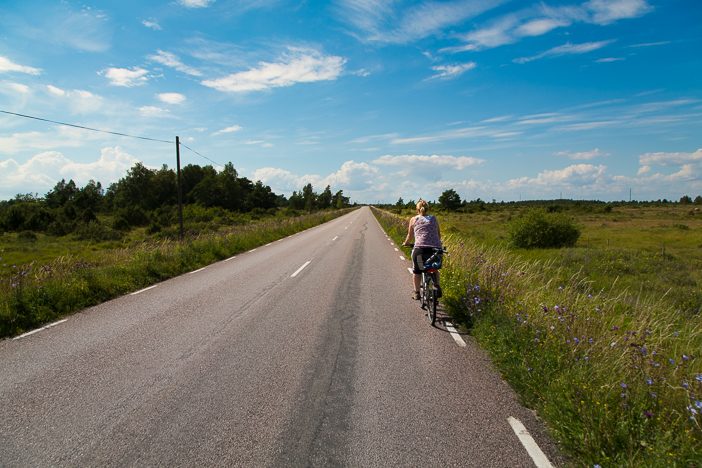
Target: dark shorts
<point>419,254</point>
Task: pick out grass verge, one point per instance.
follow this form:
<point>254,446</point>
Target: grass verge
<point>617,378</point>
<point>37,294</point>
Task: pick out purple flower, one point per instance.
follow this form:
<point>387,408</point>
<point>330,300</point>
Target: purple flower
<point>691,409</point>
<point>671,361</point>
<point>643,350</point>
<point>623,385</point>
<point>649,381</point>
<point>698,377</point>
<point>576,340</point>
<point>556,307</point>
<point>648,414</point>
<point>545,308</point>
<point>685,357</point>
<point>615,328</point>
<point>684,384</point>
<point>590,340</point>
<point>698,404</point>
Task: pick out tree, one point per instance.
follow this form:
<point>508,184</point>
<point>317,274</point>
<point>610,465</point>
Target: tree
<point>309,197</point>
<point>685,200</point>
<point>698,200</point>
<point>62,193</point>
<point>339,201</point>
<point>324,200</point>
<point>450,200</point>
<point>262,196</point>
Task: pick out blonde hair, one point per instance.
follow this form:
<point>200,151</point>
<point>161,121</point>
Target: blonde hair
<point>422,207</point>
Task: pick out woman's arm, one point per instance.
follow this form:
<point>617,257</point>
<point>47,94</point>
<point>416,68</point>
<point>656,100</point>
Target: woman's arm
<point>410,232</point>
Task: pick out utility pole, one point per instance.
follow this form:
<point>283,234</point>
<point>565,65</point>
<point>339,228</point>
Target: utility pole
<point>180,190</point>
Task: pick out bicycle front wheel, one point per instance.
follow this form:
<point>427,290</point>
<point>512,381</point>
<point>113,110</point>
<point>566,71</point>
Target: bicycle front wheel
<point>431,299</point>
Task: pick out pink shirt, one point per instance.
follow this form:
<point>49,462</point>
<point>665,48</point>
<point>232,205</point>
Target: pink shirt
<point>426,231</point>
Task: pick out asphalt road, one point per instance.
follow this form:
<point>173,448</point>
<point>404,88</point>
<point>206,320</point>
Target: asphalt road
<point>257,361</point>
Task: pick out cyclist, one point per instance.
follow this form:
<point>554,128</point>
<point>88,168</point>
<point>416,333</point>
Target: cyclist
<point>424,229</point>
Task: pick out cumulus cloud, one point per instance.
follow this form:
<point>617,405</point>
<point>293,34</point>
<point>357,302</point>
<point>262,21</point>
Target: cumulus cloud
<point>577,175</point>
<point>350,177</point>
<point>671,159</point>
<point>8,66</point>
<point>78,101</point>
<point>171,98</point>
<point>173,61</point>
<point>447,72</point>
<point>41,172</point>
<point>296,66</point>
<point>127,77</point>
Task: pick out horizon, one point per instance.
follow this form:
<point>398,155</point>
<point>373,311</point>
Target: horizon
<point>496,99</point>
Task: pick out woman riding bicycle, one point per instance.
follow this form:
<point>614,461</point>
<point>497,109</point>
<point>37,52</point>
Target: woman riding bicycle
<point>424,229</point>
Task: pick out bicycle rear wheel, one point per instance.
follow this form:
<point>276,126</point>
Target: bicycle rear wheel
<point>431,299</point>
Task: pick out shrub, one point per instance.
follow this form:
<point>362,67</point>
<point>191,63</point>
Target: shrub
<point>27,236</point>
<point>95,231</point>
<point>538,229</point>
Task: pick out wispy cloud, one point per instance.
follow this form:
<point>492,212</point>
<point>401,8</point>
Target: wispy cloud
<point>536,21</point>
<point>8,66</point>
<point>152,24</point>
<point>153,111</point>
<point>79,101</point>
<point>173,61</point>
<point>608,11</point>
<point>390,22</point>
<point>454,162</point>
<point>566,49</point>
<point>230,129</point>
<point>448,72</point>
<point>582,155</point>
<point>671,159</point>
<point>126,77</point>
<point>296,66</point>
<point>196,3</point>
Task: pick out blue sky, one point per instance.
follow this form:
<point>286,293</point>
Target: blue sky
<point>497,99</point>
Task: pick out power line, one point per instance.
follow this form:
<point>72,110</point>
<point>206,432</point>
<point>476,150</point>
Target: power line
<point>107,131</point>
<point>204,157</point>
<point>86,128</point>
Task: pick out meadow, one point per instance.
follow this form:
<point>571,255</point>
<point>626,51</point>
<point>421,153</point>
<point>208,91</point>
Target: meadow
<point>602,339</point>
<point>44,278</point>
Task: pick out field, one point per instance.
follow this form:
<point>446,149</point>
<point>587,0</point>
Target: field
<point>602,339</point>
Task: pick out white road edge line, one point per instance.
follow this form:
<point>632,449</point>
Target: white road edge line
<point>300,269</point>
<point>230,258</point>
<point>402,257</point>
<point>539,458</point>
<point>396,249</point>
<point>335,238</point>
<point>39,329</point>
<point>410,270</point>
<point>142,290</point>
<point>193,272</point>
<point>454,334</point>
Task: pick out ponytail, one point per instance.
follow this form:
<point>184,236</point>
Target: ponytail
<point>422,207</point>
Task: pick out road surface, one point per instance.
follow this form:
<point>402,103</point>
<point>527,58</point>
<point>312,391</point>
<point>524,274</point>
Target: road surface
<point>306,352</point>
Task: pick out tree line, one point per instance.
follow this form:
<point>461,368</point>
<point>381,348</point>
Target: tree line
<point>149,197</point>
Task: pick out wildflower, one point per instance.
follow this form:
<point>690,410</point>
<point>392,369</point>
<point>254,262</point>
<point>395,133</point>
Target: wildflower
<point>653,395</point>
<point>649,381</point>
<point>596,465</point>
<point>544,308</point>
<point>671,361</point>
<point>552,328</point>
<point>692,409</point>
<point>615,328</point>
<point>560,288</point>
<point>556,308</point>
<point>536,340</point>
<point>698,404</point>
<point>623,385</point>
<point>576,340</point>
<point>589,296</point>
<point>643,350</point>
<point>476,300</point>
<point>477,287</point>
<point>685,385</point>
<point>685,357</point>
<point>698,377</point>
<point>590,340</point>
<point>655,364</point>
<point>648,414</point>
<point>676,333</point>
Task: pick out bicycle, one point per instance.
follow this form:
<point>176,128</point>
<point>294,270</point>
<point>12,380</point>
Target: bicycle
<point>428,289</point>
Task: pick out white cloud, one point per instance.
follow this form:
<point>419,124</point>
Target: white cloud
<point>391,22</point>
<point>453,162</point>
<point>671,159</point>
<point>15,88</point>
<point>171,98</point>
<point>583,155</point>
<point>566,49</point>
<point>8,66</point>
<point>610,59</point>
<point>153,111</point>
<point>173,61</point>
<point>577,175</point>
<point>41,172</point>
<point>230,129</point>
<point>297,66</point>
<point>540,26</point>
<point>55,90</point>
<point>608,11</point>
<point>196,3</point>
<point>78,101</point>
<point>136,76</point>
<point>152,24</point>
<point>447,72</point>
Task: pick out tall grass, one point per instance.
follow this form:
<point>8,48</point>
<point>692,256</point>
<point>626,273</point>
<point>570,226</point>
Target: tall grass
<point>617,377</point>
<point>35,294</point>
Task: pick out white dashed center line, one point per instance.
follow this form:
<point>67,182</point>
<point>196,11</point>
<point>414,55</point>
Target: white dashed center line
<point>301,268</point>
<point>193,272</point>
